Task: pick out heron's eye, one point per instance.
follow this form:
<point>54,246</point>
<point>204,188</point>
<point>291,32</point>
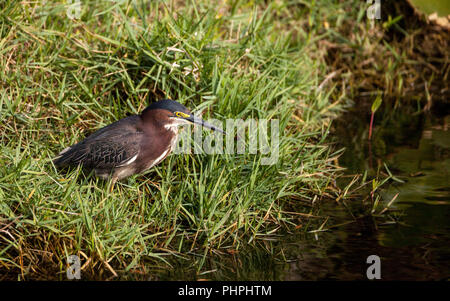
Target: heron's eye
<point>181,115</point>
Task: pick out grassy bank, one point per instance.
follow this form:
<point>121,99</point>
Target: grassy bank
<point>61,79</point>
<point>403,56</point>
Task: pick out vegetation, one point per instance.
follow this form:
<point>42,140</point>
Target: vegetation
<point>63,78</point>
<point>67,71</point>
<point>403,55</point>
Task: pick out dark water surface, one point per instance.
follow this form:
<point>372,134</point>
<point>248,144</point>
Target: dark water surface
<point>413,242</point>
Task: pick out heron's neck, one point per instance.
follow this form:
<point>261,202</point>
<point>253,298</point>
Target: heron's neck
<point>172,127</point>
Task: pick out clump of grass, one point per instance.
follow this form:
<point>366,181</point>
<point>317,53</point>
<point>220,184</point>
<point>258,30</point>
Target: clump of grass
<point>62,79</point>
<point>400,54</point>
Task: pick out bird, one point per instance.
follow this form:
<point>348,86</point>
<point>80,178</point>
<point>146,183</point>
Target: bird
<point>133,144</point>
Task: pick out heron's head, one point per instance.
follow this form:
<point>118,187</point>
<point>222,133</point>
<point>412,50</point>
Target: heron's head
<point>175,114</point>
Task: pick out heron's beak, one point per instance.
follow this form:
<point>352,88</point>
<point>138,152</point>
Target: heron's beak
<point>203,123</point>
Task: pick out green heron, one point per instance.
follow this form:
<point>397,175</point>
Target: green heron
<point>133,144</point>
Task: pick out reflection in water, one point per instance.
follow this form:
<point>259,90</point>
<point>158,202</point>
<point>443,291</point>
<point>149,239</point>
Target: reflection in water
<point>416,148</point>
<point>343,257</point>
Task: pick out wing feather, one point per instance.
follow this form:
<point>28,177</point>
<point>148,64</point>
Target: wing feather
<point>109,147</point>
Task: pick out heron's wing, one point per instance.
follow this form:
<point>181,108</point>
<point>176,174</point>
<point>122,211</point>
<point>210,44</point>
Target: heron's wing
<point>115,145</point>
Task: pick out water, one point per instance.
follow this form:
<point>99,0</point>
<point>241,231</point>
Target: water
<point>414,242</point>
<point>413,239</point>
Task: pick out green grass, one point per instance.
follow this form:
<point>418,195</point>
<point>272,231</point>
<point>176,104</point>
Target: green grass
<point>62,79</point>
